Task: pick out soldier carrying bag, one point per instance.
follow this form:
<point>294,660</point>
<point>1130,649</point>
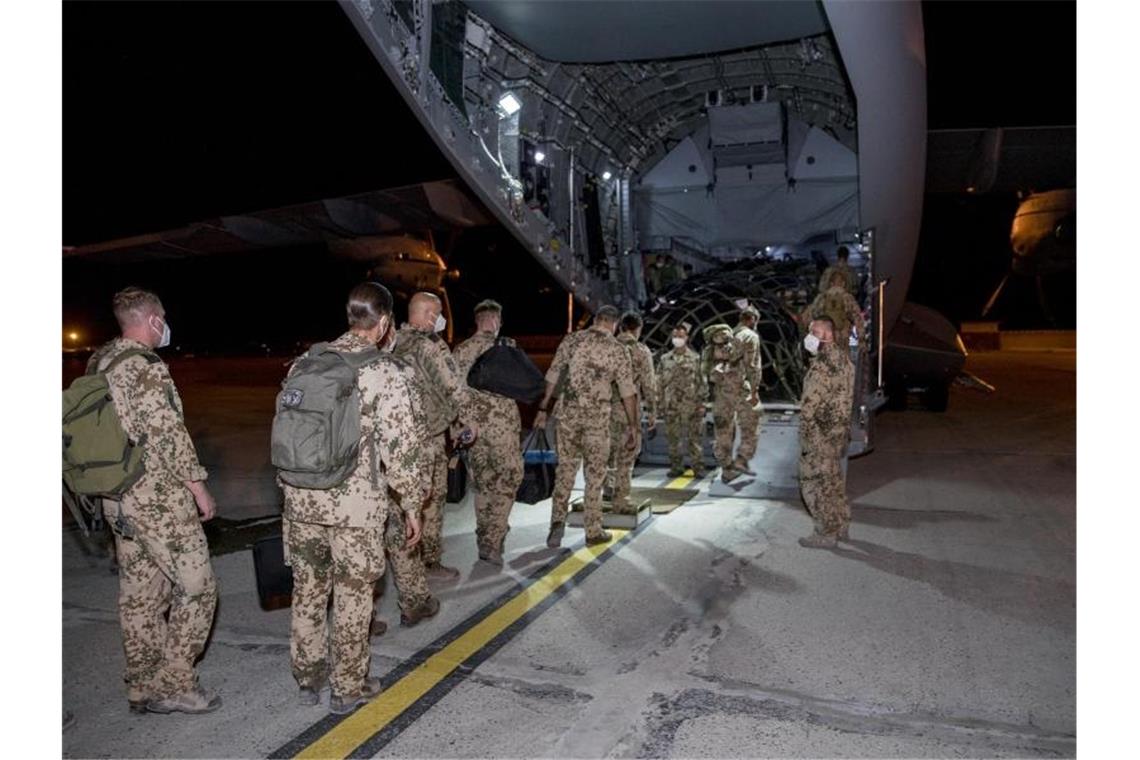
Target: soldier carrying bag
<point>505,370</point>
<point>315,440</point>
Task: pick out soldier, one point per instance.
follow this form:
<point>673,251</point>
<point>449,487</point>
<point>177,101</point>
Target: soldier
<point>841,310</point>
<point>645,380</point>
<point>333,537</point>
<point>850,279</point>
<point>445,393</point>
<point>732,365</point>
<point>167,591</point>
<point>825,425</point>
<point>682,390</point>
<point>586,366</point>
<point>495,459</point>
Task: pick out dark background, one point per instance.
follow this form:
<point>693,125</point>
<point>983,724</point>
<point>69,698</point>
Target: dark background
<point>175,112</point>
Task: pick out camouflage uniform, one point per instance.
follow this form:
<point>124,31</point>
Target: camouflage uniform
<point>733,370</point>
<point>825,425</point>
<point>333,537</point>
<point>167,591</point>
<point>444,393</point>
<point>846,271</point>
<point>843,311</point>
<point>586,366</point>
<point>681,393</point>
<point>622,459</point>
<point>495,458</point>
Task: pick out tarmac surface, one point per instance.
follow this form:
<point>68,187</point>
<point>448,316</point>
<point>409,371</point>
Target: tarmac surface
<point>945,628</point>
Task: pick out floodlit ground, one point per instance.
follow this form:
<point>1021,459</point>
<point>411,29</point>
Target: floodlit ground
<point>945,628</point>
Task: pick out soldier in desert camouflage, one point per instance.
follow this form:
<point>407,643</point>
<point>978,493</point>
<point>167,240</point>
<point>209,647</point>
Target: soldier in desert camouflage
<point>645,380</point>
<point>825,427</point>
<point>495,458</point>
<point>681,394</point>
<point>334,537</point>
<point>167,591</point>
<point>587,368</point>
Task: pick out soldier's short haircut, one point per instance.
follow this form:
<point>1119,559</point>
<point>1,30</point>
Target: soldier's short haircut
<point>838,278</point>
<point>630,321</point>
<point>683,326</point>
<point>607,314</point>
<point>132,304</point>
<point>367,303</point>
<point>842,253</point>
<point>488,306</point>
<point>750,311</point>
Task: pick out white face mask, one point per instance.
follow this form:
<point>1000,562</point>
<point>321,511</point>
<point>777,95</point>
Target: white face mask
<point>440,324</point>
<point>811,343</point>
<point>679,342</point>
<point>164,334</point>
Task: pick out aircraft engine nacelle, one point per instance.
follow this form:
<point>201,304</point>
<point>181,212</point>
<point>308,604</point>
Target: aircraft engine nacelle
<point>1044,233</point>
<point>400,262</point>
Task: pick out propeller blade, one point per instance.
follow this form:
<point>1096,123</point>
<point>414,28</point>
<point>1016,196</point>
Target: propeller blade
<point>993,299</point>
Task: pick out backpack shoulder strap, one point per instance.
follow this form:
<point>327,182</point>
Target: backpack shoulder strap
<point>150,356</point>
<point>358,359</point>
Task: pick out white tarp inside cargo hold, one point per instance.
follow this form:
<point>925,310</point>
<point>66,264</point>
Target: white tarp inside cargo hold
<point>684,196</point>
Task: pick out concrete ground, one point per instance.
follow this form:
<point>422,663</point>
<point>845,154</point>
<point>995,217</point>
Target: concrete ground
<point>945,628</point>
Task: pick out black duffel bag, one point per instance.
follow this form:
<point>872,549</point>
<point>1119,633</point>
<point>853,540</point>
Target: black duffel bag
<point>505,369</point>
<point>539,462</point>
<point>274,577</point>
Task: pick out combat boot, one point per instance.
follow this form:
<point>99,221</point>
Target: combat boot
<point>339,705</point>
<point>728,474</point>
<point>676,471</point>
<point>193,702</point>
<point>491,556</point>
<point>554,537</point>
<point>378,628</point>
<point>422,611</point>
<point>308,696</point>
<point>742,466</point>
<point>601,538</point>
<point>437,571</point>
<point>842,536</point>
<point>818,541</point>
<point>137,706</point>
<point>699,472</point>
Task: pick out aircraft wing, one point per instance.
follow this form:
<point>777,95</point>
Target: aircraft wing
<point>428,206</point>
<point>1001,160</point>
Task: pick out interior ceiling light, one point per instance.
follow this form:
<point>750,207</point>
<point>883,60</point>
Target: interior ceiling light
<point>539,156</point>
<point>606,176</point>
<point>509,104</point>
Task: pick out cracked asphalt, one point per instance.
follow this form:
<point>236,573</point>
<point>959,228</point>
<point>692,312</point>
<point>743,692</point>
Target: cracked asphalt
<point>945,628</point>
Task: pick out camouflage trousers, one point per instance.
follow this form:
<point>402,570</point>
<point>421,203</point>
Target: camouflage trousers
<point>620,471</point>
<point>340,564</point>
<point>496,467</point>
<point>407,565</point>
<point>167,590</point>
<point>732,408</point>
<point>582,439</point>
<point>432,514</point>
<point>691,423</point>
<point>822,484</point>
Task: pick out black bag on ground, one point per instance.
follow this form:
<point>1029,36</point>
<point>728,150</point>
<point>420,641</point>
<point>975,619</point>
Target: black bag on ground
<point>539,461</point>
<point>456,479</point>
<point>274,577</point>
<point>505,369</point>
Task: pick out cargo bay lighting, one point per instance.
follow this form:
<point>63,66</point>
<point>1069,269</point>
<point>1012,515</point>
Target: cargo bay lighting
<point>539,156</point>
<point>509,104</point>
<point>606,176</point>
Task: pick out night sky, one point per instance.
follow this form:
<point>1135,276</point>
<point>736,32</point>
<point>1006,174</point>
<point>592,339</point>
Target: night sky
<point>177,112</point>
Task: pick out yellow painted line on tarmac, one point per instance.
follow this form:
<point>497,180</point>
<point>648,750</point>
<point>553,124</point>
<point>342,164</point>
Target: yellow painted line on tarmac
<point>681,482</point>
<point>374,716</point>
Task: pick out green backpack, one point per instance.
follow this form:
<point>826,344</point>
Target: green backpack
<point>99,459</point>
<point>315,440</point>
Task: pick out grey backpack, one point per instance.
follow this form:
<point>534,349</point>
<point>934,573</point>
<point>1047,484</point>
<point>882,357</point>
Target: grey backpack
<point>315,441</point>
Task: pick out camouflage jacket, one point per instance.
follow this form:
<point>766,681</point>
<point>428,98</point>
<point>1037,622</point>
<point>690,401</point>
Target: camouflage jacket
<point>389,429</point>
<point>721,359</point>
<point>482,407</point>
<point>846,271</point>
<point>150,411</point>
<point>644,378</point>
<point>748,345</point>
<point>825,406</point>
<point>837,305</point>
<point>586,367</point>
<point>444,390</point>
<point>680,383</point>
